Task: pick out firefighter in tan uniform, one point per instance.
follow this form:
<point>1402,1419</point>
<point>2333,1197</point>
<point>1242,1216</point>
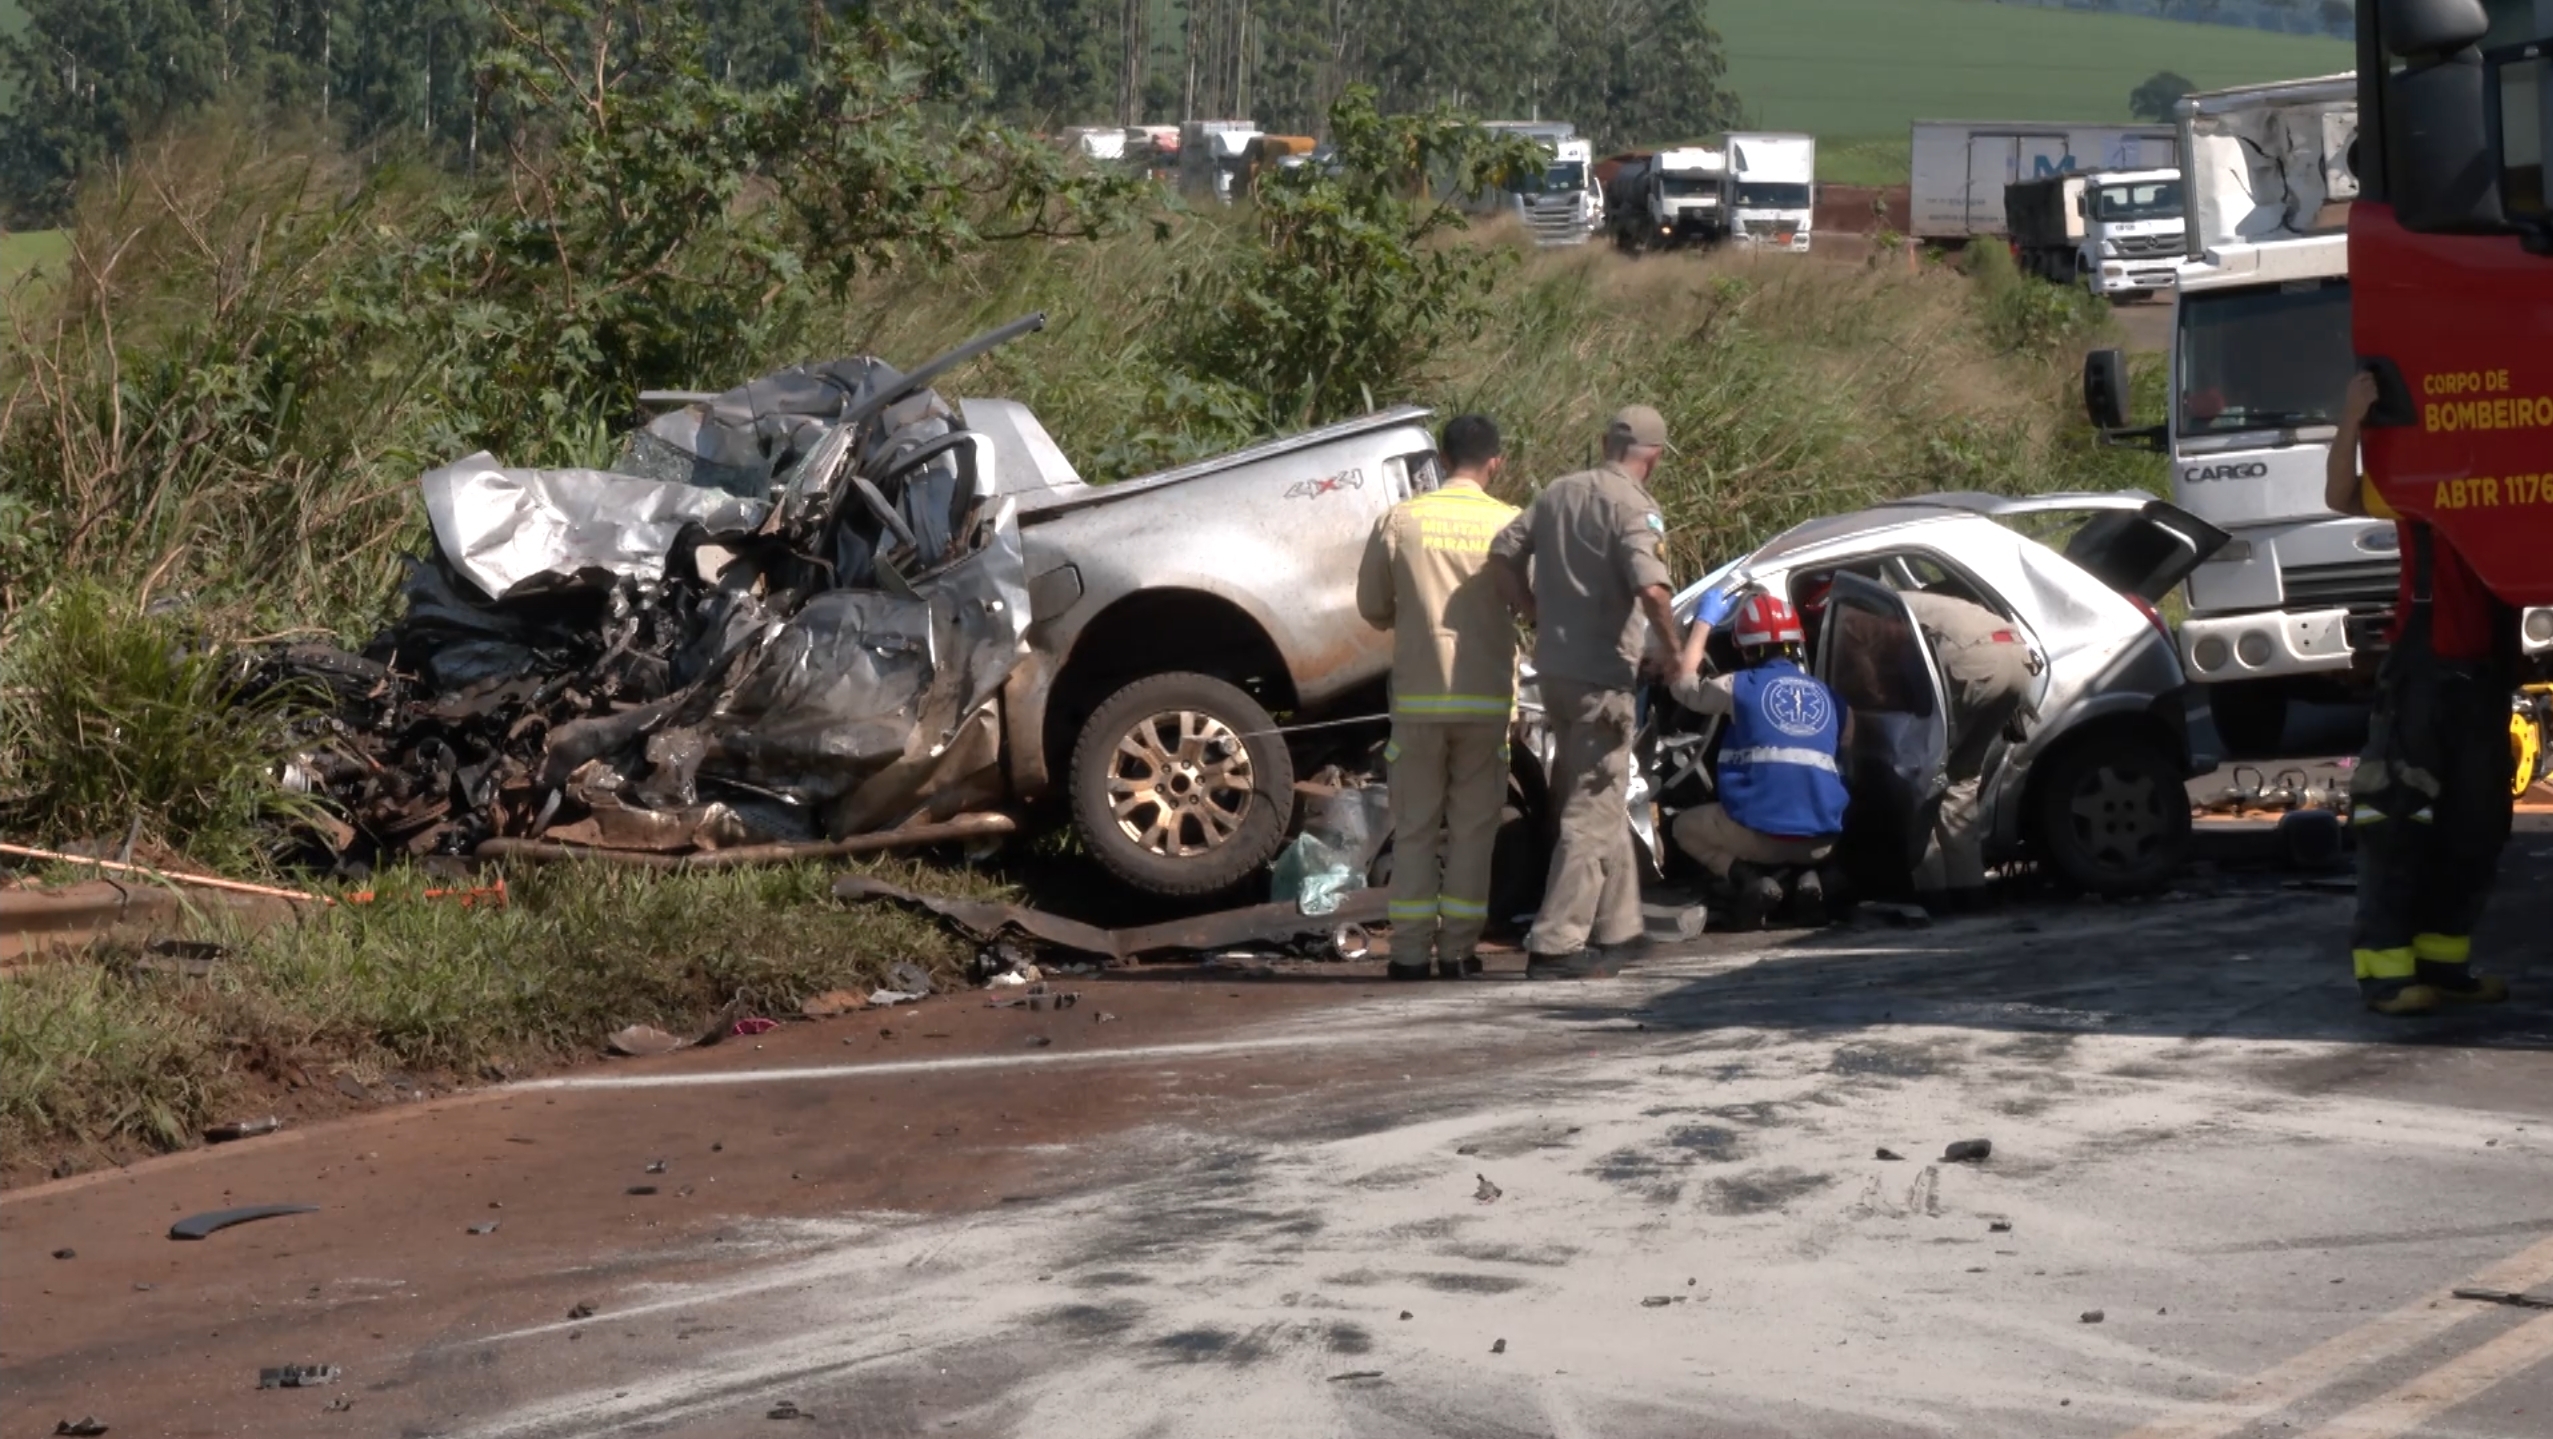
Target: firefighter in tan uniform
<point>1453,688</point>
<point>1582,565</point>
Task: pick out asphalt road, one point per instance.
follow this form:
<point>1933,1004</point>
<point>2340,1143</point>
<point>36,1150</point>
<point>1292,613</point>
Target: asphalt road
<point>2222,1201</point>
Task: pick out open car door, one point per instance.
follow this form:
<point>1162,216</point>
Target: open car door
<point>2133,543</point>
<point>1870,653</point>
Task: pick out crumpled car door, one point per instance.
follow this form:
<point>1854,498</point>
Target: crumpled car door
<point>1872,655</point>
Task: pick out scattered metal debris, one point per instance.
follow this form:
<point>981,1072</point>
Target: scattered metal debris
<point>1968,1151</point>
<point>2093,1316</point>
<point>66,1254</point>
<point>985,921</point>
<point>1487,1193</point>
<point>642,1039</point>
<point>298,1376</point>
<point>584,1310</point>
<point>1657,1301</point>
<point>2516,1298</point>
<point>85,1427</point>
<point>1889,1154</point>
<point>1356,1374</point>
<point>203,1226</point>
<point>242,1129</point>
<point>786,1409</point>
<point>487,1228</point>
<point>1498,1348</point>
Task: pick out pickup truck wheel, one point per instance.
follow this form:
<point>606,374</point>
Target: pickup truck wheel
<point>1181,786</point>
<point>2112,818</point>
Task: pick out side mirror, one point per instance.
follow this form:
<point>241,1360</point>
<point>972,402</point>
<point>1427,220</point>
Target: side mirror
<point>2417,28</point>
<point>2444,174</point>
<point>2105,389</point>
<point>2521,112</point>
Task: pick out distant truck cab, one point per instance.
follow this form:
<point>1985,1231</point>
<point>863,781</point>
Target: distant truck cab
<point>2119,234</point>
<point>1214,158</point>
<point>1561,206</point>
<point>1769,190</point>
<point>1667,199</point>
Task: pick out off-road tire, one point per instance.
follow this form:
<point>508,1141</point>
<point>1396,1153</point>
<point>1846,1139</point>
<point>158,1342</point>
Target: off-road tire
<point>1244,835</point>
<point>2111,816</point>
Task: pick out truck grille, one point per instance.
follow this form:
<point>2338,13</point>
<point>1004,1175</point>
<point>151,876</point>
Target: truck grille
<point>2138,246</point>
<point>1555,225</point>
<point>1772,227</point>
<point>2357,584</point>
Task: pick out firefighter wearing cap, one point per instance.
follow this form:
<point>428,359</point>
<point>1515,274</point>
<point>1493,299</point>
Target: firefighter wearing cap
<point>1583,565</point>
<point>1781,788</point>
<point>1453,688</point>
<point>2430,799</point>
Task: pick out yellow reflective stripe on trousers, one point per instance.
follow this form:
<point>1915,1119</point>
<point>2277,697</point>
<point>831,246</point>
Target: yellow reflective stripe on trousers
<point>2386,963</point>
<point>1411,909</point>
<point>2443,948</point>
<point>1492,706</point>
<point>1461,908</point>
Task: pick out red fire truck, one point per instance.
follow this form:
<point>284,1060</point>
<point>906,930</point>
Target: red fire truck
<point>2451,274</point>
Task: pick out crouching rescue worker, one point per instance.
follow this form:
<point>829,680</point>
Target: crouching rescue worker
<point>2430,800</point>
<point>1782,797</point>
<point>1453,688</point>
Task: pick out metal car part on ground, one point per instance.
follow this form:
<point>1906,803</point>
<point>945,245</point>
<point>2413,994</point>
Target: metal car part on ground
<point>2095,790</point>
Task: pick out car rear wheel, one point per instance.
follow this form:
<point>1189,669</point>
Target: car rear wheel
<point>1181,785</point>
<point>2112,817</point>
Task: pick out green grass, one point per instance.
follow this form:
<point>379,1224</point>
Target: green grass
<point>1871,67</point>
<point>1863,159</point>
<point>98,1057</point>
<point>24,250</point>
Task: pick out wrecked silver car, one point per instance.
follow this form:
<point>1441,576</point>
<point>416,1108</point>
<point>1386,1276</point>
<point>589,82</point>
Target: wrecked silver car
<point>2095,792</point>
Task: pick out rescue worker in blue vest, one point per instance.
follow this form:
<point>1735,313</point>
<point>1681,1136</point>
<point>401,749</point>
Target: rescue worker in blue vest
<point>1782,799</point>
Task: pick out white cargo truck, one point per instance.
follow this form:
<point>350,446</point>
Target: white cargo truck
<point>1562,207</point>
<point>2117,233</point>
<point>2295,605</point>
<point>1768,196</point>
<point>1958,168</point>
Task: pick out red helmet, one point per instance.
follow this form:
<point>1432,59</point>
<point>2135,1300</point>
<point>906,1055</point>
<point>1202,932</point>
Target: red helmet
<point>1766,620</point>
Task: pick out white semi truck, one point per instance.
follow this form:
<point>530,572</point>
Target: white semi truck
<point>1563,207</point>
<point>1959,168</point>
<point>2117,233</point>
<point>1214,156</point>
<point>1769,191</point>
<point>2295,605</point>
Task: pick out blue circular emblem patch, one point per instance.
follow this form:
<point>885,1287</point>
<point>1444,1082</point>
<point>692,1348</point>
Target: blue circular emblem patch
<point>1797,706</point>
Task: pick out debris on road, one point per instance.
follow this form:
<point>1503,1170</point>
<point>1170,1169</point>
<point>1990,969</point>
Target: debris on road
<point>786,1409</point>
<point>1405,1314</point>
<point>749,1027</point>
<point>1889,1154</point>
<point>2516,1298</point>
<point>201,1226</point>
<point>1487,1193</point>
<point>86,1427</point>
<point>1356,1374</point>
<point>584,1310</point>
<point>640,1040</point>
<point>487,1228</point>
<point>1658,1301</point>
<point>985,921</point>
<point>1498,1348</point>
<point>2093,1316</point>
<point>1968,1151</point>
<point>241,1129</point>
<point>832,1003</point>
<point>2000,1226</point>
<point>1103,1017</point>
<point>1912,916</point>
<point>889,998</point>
<point>66,1254</point>
<point>298,1376</point>
<point>640,1190</point>
<point>655,1166</point>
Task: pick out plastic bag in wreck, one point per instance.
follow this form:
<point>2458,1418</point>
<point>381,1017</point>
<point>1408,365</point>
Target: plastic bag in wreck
<point>1314,875</point>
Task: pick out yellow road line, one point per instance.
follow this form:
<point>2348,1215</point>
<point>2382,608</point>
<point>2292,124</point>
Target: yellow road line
<point>2410,1407</point>
<point>2285,1385</point>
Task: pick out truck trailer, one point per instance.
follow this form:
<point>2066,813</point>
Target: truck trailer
<point>1958,168</point>
<point>2117,233</point>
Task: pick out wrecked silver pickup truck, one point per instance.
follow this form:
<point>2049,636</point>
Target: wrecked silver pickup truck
<point>829,604</point>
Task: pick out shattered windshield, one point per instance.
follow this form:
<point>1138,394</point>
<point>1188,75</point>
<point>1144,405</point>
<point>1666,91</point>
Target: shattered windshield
<point>2271,358</point>
<point>1768,195</point>
<point>2151,200</point>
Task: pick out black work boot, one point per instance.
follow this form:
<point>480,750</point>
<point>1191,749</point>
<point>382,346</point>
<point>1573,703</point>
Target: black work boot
<point>1753,896</point>
<point>2398,996</point>
<point>1467,967</point>
<point>2458,984</point>
<point>1412,971</point>
<point>1584,964</point>
<point>1808,900</point>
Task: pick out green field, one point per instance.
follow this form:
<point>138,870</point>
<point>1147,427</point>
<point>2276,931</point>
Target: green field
<point>21,251</point>
<point>1857,72</point>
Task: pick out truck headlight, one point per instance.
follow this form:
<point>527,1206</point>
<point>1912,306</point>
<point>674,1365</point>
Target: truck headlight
<point>2539,626</point>
<point>2253,647</point>
<point>2210,654</point>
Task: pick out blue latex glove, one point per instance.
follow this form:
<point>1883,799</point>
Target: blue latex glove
<point>1715,606</point>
